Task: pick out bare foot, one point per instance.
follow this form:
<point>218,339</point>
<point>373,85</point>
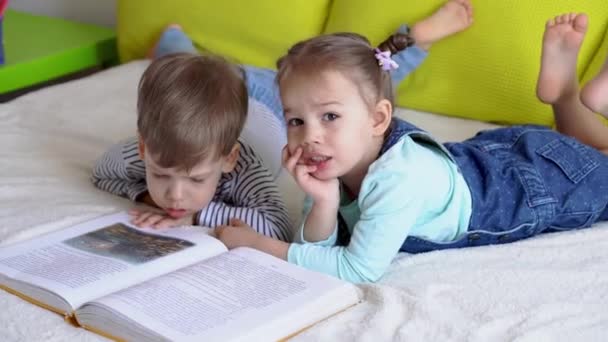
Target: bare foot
<point>561,42</point>
<point>595,93</point>
<point>453,17</point>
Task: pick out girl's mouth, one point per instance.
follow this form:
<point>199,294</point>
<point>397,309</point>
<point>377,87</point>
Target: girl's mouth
<point>319,161</point>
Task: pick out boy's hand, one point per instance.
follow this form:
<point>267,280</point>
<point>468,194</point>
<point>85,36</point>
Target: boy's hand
<point>155,219</point>
<point>321,191</point>
<point>236,234</point>
<point>147,199</point>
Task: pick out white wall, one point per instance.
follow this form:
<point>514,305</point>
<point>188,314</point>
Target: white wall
<point>101,12</point>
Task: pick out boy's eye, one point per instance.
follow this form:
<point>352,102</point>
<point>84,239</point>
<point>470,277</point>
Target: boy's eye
<point>295,122</point>
<point>198,180</point>
<point>329,117</point>
<point>156,175</point>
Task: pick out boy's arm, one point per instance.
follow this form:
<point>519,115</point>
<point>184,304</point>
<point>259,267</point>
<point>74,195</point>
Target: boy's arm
<point>408,59</point>
<point>252,197</point>
<point>120,171</point>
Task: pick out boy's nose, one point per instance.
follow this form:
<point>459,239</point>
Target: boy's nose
<point>175,192</point>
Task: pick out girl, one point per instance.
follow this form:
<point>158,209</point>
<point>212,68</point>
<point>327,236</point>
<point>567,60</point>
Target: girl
<point>379,185</point>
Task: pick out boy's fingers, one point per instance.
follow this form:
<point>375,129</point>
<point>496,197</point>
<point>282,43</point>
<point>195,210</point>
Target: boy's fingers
<point>164,223</point>
<point>237,222</point>
<point>218,230</point>
<point>134,212</point>
<point>140,218</point>
<point>152,220</point>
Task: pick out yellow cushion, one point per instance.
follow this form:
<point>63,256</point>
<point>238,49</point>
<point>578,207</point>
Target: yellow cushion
<point>252,32</point>
<point>488,72</point>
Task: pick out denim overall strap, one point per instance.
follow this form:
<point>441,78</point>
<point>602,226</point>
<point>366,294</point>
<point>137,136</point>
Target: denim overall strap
<point>400,128</point>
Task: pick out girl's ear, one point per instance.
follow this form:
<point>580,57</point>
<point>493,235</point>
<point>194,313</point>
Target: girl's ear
<point>141,147</point>
<point>383,114</point>
<point>230,160</point>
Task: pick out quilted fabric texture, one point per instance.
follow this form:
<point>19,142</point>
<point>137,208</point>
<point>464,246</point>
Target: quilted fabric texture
<point>251,32</point>
<point>488,72</point>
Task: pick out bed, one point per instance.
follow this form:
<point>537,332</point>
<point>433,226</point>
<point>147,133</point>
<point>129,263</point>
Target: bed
<point>550,288</point>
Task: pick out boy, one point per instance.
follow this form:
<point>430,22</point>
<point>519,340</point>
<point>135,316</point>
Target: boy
<point>187,159</point>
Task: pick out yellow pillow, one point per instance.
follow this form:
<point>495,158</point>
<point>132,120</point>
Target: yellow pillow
<point>252,32</point>
<point>488,72</point>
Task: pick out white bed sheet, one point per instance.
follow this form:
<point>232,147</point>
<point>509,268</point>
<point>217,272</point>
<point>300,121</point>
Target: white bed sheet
<point>550,288</point>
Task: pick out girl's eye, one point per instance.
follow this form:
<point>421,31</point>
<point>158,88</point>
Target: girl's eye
<point>295,122</point>
<point>330,116</point>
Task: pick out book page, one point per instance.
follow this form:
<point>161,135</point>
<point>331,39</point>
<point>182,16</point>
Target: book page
<point>223,298</point>
<point>104,255</point>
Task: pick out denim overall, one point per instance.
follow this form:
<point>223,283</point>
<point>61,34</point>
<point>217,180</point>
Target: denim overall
<point>524,181</point>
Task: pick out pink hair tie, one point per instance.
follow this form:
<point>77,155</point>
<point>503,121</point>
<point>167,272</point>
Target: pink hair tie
<point>385,60</point>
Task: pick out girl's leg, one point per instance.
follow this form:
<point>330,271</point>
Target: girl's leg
<point>558,82</point>
<point>595,93</point>
<point>172,40</point>
<point>454,16</point>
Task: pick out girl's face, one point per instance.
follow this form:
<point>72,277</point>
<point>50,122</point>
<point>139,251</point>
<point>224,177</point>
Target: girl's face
<point>327,116</point>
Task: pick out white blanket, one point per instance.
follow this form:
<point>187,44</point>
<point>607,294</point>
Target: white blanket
<point>550,288</point>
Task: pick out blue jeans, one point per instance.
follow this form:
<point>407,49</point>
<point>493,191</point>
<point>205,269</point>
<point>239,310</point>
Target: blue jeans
<point>525,181</point>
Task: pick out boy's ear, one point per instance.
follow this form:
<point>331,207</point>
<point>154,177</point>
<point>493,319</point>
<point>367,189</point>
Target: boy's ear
<point>141,147</point>
<point>231,158</point>
<point>383,114</point>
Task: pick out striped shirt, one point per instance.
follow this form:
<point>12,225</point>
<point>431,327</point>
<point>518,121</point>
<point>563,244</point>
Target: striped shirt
<point>247,192</point>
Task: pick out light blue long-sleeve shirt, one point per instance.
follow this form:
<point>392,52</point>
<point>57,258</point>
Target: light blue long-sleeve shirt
<point>412,189</point>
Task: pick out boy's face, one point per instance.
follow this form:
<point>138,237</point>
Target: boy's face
<point>179,192</point>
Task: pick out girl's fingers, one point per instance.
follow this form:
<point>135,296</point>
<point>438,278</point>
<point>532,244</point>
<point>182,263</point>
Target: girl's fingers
<point>302,172</point>
<point>292,160</point>
<point>285,155</point>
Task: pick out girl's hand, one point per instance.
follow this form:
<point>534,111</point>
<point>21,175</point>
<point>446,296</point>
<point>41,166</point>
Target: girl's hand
<point>142,217</point>
<point>236,234</point>
<point>321,191</point>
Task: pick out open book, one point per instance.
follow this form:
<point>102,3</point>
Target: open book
<point>128,283</point>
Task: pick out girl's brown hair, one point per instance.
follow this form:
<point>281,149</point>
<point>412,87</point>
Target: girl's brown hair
<point>349,53</point>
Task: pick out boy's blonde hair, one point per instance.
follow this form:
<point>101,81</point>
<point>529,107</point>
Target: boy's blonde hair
<point>349,53</point>
<point>190,108</point>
